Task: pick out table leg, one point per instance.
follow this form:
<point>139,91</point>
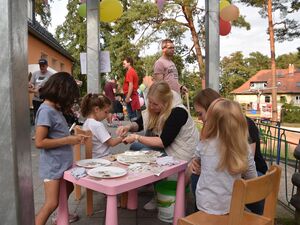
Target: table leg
<point>132,199</point>
<point>179,210</point>
<point>63,211</point>
<point>111,210</point>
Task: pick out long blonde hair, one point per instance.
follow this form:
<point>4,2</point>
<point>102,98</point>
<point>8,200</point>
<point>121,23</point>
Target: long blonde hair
<point>226,122</point>
<point>160,91</point>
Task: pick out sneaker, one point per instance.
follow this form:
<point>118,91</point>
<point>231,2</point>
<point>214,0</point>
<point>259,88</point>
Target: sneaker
<point>73,217</point>
<point>151,205</point>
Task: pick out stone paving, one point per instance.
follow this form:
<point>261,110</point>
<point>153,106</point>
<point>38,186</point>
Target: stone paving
<point>126,217</point>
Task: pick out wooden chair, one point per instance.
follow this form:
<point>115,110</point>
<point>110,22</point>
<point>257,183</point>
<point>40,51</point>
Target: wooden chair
<point>88,146</point>
<point>245,192</point>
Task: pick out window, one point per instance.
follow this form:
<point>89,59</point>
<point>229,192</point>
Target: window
<point>297,99</point>
<point>54,63</point>
<point>258,85</point>
<point>267,99</point>
<point>62,67</point>
<point>44,56</point>
<point>29,9</point>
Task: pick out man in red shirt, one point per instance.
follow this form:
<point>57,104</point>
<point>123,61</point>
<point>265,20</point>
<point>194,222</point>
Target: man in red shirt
<point>130,87</point>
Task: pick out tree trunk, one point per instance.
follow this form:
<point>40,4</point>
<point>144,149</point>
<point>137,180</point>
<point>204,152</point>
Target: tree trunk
<point>189,18</point>
<point>273,64</point>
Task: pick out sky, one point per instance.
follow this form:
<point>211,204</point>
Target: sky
<point>239,39</point>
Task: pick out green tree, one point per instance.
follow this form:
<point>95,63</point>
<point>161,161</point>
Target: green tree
<point>283,61</point>
<point>42,9</point>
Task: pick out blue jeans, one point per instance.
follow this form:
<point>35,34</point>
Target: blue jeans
<point>132,114</point>
<point>256,207</point>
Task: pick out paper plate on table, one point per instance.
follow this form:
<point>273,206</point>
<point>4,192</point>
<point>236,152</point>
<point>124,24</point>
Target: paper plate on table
<point>130,157</point>
<point>92,163</point>
<point>107,172</point>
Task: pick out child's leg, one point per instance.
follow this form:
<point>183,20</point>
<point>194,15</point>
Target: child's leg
<point>51,201</point>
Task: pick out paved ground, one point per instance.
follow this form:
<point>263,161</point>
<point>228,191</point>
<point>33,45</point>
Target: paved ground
<point>126,217</point>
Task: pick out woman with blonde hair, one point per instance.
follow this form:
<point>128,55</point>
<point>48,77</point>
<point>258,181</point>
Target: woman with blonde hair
<point>167,124</point>
<point>225,156</point>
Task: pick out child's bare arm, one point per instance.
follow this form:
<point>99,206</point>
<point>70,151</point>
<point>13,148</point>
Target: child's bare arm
<point>42,140</point>
<point>114,141</point>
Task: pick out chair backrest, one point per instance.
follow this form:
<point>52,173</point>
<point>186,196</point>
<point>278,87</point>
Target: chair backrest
<point>253,190</point>
<point>88,143</point>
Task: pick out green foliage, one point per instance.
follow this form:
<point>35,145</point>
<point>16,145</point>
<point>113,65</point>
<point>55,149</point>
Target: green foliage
<point>290,113</point>
<point>72,36</point>
<point>42,9</point>
<point>283,61</point>
<point>286,28</point>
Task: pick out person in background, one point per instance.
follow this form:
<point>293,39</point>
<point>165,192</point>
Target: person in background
<point>54,140</point>
<point>109,90</point>
<point>224,156</point>
<point>130,87</point>
<point>95,107</point>
<point>165,69</point>
<point>202,101</point>
<point>38,79</point>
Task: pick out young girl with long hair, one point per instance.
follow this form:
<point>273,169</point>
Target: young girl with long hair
<point>96,107</point>
<point>225,156</point>
<point>54,140</point>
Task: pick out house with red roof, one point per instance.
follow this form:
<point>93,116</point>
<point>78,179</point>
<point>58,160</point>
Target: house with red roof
<point>256,93</point>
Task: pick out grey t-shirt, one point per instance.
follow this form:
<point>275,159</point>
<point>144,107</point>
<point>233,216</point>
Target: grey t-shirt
<point>54,161</point>
<point>168,68</point>
<point>38,79</point>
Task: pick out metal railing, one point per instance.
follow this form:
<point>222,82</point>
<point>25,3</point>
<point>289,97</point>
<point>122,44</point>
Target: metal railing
<point>277,146</point>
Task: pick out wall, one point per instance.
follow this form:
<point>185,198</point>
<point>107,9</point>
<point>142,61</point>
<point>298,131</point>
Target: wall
<point>36,48</point>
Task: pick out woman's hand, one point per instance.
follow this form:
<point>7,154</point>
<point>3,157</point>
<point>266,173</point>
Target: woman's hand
<point>122,130</point>
<point>129,139</point>
<point>77,139</point>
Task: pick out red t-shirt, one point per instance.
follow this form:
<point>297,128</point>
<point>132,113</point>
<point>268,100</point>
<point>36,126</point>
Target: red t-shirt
<point>131,76</point>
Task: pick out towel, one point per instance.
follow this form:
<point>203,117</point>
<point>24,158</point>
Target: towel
<point>78,172</point>
<point>166,161</point>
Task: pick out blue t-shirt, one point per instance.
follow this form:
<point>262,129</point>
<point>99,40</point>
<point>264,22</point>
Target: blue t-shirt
<point>54,161</point>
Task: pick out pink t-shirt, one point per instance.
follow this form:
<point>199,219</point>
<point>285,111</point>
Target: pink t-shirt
<point>167,68</point>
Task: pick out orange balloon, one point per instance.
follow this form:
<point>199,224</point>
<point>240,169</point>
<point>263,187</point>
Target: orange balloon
<point>230,13</point>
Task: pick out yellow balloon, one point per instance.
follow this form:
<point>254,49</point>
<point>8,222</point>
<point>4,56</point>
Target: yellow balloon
<point>230,13</point>
<point>223,4</point>
<point>110,10</point>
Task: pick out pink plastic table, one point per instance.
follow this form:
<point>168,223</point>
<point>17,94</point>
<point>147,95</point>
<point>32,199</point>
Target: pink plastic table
<point>130,182</point>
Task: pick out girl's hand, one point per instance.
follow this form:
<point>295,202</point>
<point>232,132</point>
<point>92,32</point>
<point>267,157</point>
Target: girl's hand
<point>195,166</point>
<point>77,139</point>
<point>129,139</point>
<point>122,131</point>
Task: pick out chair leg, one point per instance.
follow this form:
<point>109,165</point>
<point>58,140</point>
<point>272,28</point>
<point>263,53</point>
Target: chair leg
<point>77,191</point>
<point>124,199</point>
<point>89,202</point>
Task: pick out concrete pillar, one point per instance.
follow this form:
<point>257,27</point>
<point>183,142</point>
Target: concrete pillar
<point>93,63</point>
<point>212,44</point>
<point>16,189</point>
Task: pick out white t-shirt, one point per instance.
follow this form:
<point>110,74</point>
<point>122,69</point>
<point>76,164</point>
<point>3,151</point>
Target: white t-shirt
<point>38,80</point>
<point>100,136</point>
<point>214,188</point>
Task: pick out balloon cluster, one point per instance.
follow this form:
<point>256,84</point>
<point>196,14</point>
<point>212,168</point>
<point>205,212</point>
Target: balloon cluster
<point>110,10</point>
<point>228,13</point>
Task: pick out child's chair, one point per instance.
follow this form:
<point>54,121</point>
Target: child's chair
<point>245,192</point>
<point>88,145</point>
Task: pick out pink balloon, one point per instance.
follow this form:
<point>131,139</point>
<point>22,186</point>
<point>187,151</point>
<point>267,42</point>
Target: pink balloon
<point>142,101</point>
<point>230,13</point>
<point>160,4</point>
<point>225,27</point>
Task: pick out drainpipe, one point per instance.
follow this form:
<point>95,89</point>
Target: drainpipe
<point>295,200</point>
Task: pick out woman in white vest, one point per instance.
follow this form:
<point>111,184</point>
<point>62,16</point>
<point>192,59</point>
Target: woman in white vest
<point>167,124</point>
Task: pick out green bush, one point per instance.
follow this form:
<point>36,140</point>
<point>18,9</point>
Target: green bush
<point>290,113</point>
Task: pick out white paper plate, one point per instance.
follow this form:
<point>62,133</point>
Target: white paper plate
<point>92,163</point>
<point>107,172</point>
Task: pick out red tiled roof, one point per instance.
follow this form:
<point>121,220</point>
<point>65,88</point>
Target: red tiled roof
<point>288,82</point>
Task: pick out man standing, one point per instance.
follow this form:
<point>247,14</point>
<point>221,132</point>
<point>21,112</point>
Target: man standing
<point>37,80</point>
<point>165,69</point>
<point>130,87</point>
